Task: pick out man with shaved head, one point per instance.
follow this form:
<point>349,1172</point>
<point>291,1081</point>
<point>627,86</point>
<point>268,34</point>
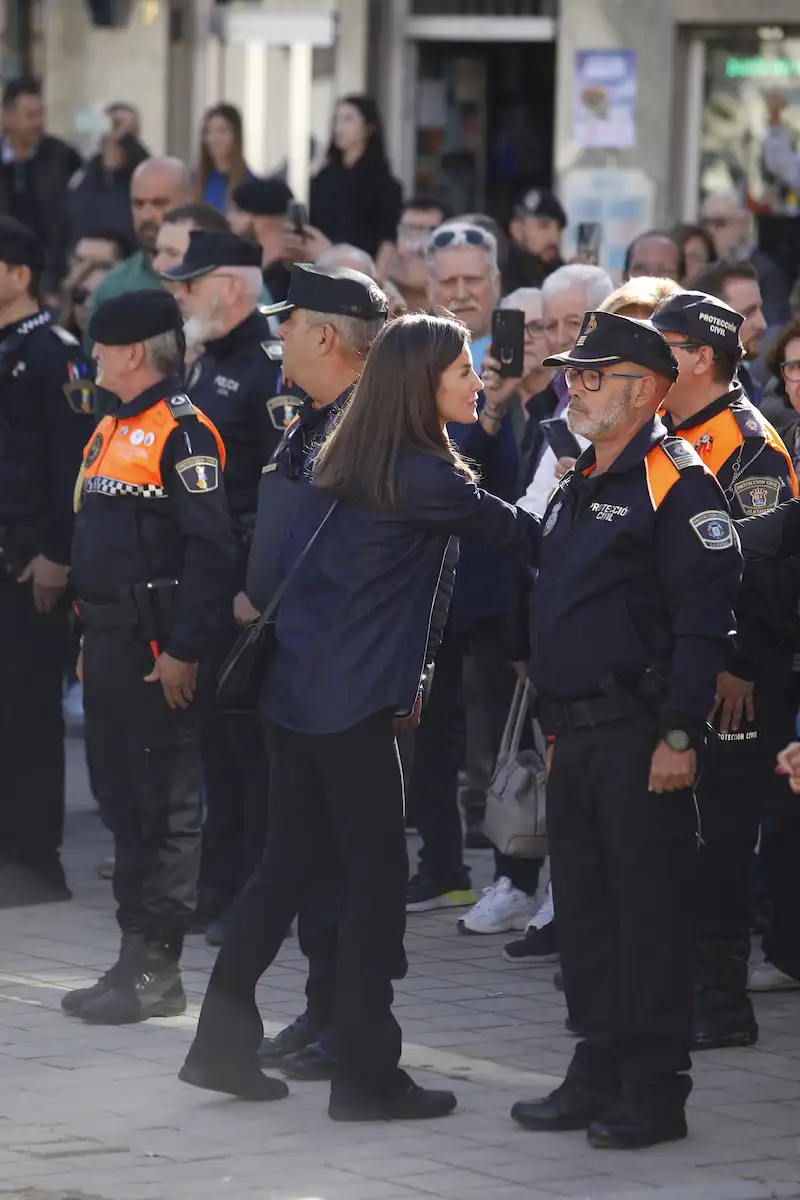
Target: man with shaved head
<point>158,185</point>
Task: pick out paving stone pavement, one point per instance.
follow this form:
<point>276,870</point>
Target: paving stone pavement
<point>97,1113</point>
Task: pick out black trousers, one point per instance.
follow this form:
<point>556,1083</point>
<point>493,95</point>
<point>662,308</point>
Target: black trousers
<point>622,862</point>
<point>235,783</point>
<point>146,771</point>
<point>736,788</point>
<point>439,747</point>
<point>343,790</point>
<point>33,652</point>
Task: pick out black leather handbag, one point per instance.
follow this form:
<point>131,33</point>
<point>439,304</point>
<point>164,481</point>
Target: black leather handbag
<point>242,674</point>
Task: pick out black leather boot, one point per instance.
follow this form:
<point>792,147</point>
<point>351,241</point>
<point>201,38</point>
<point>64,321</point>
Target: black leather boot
<point>302,1032</point>
<point>643,1115</point>
<point>73,1002</point>
<point>571,1106</point>
<point>723,1012</point>
<point>152,987</point>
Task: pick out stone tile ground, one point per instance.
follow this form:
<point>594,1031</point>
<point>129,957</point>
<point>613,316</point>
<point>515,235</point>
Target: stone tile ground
<point>97,1114</point>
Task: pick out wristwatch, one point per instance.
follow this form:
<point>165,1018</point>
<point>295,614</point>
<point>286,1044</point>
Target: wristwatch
<point>677,739</point>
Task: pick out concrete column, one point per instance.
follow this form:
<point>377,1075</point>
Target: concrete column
<point>351,47</point>
<point>255,106</point>
<point>299,111</point>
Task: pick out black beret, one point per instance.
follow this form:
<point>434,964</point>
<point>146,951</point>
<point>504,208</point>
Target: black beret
<point>208,251</point>
<point>263,197</point>
<point>19,245</point>
<point>606,338</point>
<point>333,290</point>
<point>701,318</point>
<point>539,202</point>
<point>134,317</point>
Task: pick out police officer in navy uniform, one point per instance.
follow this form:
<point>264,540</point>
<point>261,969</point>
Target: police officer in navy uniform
<point>153,557</point>
<point>754,709</point>
<point>333,315</point>
<point>237,384</point>
<point>630,618</point>
<point>46,404</point>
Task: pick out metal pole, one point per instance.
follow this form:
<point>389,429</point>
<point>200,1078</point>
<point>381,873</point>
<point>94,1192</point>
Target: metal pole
<point>299,106</point>
<point>692,128</point>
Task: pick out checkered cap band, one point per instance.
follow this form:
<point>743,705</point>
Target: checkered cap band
<point>115,487</point>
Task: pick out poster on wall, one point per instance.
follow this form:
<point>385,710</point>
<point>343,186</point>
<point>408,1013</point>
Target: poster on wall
<point>620,201</point>
<point>604,99</point>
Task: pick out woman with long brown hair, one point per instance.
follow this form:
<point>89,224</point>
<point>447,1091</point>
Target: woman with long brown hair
<point>359,623</point>
<point>221,166</point>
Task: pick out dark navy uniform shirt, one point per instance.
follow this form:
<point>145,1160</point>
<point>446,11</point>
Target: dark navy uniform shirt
<point>47,401</point>
<point>639,568</point>
<point>237,385</point>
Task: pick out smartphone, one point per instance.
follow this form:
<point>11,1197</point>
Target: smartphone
<point>588,241</point>
<point>508,341</point>
<point>563,443</point>
<point>298,215</point>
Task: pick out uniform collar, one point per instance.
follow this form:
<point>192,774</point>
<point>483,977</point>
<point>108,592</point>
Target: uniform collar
<point>711,410</point>
<point>637,449</point>
<point>149,398</point>
<point>313,417</point>
<point>252,328</point>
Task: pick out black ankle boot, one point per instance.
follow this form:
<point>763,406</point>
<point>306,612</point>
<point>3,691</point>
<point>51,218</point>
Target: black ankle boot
<point>152,987</point>
<point>723,1012</point>
<point>74,1001</point>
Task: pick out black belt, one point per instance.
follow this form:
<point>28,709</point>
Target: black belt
<point>123,615</point>
<point>567,716</point>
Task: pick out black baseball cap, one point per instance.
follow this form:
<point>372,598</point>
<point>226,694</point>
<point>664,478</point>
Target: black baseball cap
<point>333,290</point>
<point>701,318</point>
<point>134,317</point>
<point>263,197</point>
<point>539,202</point>
<point>606,338</point>
<point>19,245</point>
<point>208,251</point>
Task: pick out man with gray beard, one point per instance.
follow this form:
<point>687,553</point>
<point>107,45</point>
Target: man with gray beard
<point>236,383</point>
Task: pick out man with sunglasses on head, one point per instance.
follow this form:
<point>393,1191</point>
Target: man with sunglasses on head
<point>630,616</point>
<point>236,384</point>
<point>753,713</point>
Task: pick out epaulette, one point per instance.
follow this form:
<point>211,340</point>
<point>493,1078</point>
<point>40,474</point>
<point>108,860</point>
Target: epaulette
<point>680,453</point>
<point>64,335</point>
<point>749,419</point>
<point>181,406</point>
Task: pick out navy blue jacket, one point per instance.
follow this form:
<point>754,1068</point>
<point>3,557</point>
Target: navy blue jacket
<point>638,569</point>
<point>46,418</point>
<point>354,628</point>
<point>485,578</point>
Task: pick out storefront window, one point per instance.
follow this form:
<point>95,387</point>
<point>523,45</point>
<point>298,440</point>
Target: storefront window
<point>742,65</point>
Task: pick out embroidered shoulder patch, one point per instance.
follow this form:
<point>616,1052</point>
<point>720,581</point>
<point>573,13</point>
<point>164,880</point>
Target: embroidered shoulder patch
<point>282,411</point>
<point>199,474</point>
<point>681,453</point>
<point>757,495</point>
<point>714,529</point>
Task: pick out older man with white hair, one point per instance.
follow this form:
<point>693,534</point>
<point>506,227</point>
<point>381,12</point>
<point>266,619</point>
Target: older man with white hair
<point>730,225</point>
<point>218,285</point>
<point>464,277</point>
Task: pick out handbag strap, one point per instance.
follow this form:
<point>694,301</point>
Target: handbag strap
<point>507,741</point>
<point>521,695</point>
<point>272,607</point>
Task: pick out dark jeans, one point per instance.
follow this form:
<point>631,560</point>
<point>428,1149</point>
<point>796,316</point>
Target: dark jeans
<point>622,860</point>
<point>439,748</point>
<point>33,651</point>
<point>737,786</point>
<point>146,770</point>
<point>235,785</point>
<point>345,791</point>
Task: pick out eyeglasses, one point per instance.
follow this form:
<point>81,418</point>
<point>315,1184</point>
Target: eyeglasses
<point>719,222</point>
<point>592,379</point>
<point>690,346</point>
<point>791,370</point>
<point>464,236</point>
<point>535,329</point>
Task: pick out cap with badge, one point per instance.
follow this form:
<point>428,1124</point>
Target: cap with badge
<point>539,202</point>
<point>263,197</point>
<point>701,318</point>
<point>333,290</point>
<point>134,317</point>
<point>606,338</point>
<point>208,251</point>
<point>19,245</point>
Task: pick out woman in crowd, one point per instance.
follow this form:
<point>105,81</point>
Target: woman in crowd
<point>354,198</point>
<point>360,622</point>
<point>698,249</point>
<point>76,294</point>
<point>222,167</point>
<point>781,403</point>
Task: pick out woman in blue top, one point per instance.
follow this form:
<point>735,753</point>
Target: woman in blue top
<point>357,629</point>
<point>222,167</point>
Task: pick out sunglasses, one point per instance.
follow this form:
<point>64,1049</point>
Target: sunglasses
<point>461,237</point>
<point>80,295</point>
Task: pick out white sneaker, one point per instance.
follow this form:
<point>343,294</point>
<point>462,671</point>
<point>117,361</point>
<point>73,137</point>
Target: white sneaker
<point>767,978</point>
<point>500,908</point>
